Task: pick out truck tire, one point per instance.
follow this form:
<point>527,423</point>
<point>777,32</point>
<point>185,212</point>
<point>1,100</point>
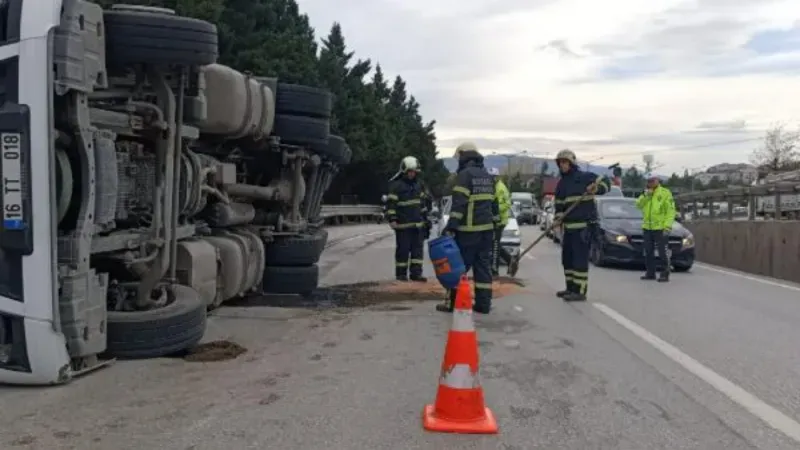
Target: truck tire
<point>348,155</point>
<point>140,36</point>
<point>158,332</point>
<point>303,100</point>
<point>302,250</point>
<point>335,150</point>
<point>291,280</point>
<point>304,131</point>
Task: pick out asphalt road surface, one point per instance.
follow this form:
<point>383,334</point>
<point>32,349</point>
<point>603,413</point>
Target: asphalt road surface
<point>709,361</point>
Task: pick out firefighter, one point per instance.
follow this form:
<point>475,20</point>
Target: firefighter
<point>473,217</point>
<point>503,199</point>
<point>406,212</point>
<point>576,187</point>
<point>658,208</point>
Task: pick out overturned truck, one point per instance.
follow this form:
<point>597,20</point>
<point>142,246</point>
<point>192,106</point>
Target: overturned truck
<point>176,184</point>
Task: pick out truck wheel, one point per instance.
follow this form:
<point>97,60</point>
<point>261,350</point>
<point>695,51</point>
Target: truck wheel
<point>335,150</point>
<point>348,155</point>
<point>299,130</point>
<point>303,100</point>
<point>302,250</point>
<point>291,280</point>
<point>158,332</point>
<point>140,36</point>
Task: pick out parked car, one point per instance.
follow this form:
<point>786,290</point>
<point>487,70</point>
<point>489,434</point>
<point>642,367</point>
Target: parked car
<point>546,210</point>
<point>619,239</point>
<point>511,240</point>
<point>528,207</point>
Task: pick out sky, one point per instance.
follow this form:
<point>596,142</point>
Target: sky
<point>693,83</point>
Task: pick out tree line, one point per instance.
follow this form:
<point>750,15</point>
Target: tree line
<point>379,118</point>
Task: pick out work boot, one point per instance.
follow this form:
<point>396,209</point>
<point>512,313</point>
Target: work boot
<point>419,279</point>
<point>562,294</point>
<point>574,297</point>
<point>444,307</point>
<point>401,278</point>
<point>648,277</point>
<point>663,278</point>
<point>481,309</point>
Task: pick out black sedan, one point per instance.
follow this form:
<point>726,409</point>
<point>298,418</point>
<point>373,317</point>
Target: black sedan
<point>619,239</point>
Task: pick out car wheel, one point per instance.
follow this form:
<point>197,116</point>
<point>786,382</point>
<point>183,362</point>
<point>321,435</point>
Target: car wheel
<point>682,269</point>
<point>302,250</point>
<point>158,332</point>
<point>300,100</point>
<point>157,36</point>
<point>596,255</point>
<point>291,280</point>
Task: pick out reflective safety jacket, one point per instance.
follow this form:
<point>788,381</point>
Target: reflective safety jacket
<point>407,203</point>
<point>474,207</point>
<point>503,198</point>
<point>570,190</point>
<point>658,209</point>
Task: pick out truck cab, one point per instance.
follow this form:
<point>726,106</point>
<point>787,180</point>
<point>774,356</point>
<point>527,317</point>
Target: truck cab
<point>144,184</point>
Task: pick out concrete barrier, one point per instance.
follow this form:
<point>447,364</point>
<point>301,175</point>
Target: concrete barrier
<point>769,248</point>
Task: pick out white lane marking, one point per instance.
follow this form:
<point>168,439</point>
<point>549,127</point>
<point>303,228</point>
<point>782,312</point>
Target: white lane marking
<point>517,308</point>
<point>748,401</point>
<point>531,257</point>
<point>748,277</point>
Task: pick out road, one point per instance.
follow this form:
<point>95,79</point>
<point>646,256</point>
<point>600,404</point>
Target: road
<point>708,361</point>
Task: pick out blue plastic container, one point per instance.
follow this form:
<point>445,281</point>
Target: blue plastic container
<point>447,261</point>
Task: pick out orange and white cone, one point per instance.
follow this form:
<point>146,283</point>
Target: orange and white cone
<point>459,406</point>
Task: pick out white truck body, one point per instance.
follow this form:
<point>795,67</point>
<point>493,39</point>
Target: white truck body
<point>143,185</point>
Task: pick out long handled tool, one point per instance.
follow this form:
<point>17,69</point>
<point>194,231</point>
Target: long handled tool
<point>513,265</point>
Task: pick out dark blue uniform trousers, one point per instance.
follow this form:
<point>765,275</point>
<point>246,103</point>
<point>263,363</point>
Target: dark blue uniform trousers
<point>408,252</point>
<point>575,258</point>
<point>476,250</point>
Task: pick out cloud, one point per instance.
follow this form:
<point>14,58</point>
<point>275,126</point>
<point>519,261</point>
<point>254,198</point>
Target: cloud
<point>696,82</point>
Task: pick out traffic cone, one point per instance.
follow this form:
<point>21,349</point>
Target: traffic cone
<point>459,406</point>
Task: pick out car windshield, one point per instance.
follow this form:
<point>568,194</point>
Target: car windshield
<point>619,209</point>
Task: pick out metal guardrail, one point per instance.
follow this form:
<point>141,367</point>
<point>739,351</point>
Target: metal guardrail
<point>329,211</point>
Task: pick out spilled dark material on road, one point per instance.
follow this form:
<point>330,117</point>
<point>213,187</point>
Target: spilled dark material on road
<point>367,294</point>
<point>214,351</point>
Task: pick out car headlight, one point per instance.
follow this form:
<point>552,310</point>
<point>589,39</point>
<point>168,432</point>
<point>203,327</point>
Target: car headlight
<point>688,242</point>
<point>616,237</point>
<point>511,233</point>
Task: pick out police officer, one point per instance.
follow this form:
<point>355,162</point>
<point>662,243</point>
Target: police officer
<point>658,209</point>
<point>503,198</point>
<point>473,218</point>
<point>406,212</point>
<point>576,187</point>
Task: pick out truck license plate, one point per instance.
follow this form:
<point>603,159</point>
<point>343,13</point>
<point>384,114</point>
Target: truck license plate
<point>13,201</point>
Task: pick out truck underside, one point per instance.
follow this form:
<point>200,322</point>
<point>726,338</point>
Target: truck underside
<point>180,183</point>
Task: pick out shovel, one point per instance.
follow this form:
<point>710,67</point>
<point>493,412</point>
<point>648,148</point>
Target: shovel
<point>513,265</point>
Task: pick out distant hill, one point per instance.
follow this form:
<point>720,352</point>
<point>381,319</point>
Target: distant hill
<point>532,164</point>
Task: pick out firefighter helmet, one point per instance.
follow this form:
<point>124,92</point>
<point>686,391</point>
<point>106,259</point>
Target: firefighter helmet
<point>466,147</point>
<point>567,155</point>
<point>409,163</point>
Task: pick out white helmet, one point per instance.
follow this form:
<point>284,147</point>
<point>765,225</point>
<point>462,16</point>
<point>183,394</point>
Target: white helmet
<point>409,163</point>
<point>494,171</point>
<point>384,198</point>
